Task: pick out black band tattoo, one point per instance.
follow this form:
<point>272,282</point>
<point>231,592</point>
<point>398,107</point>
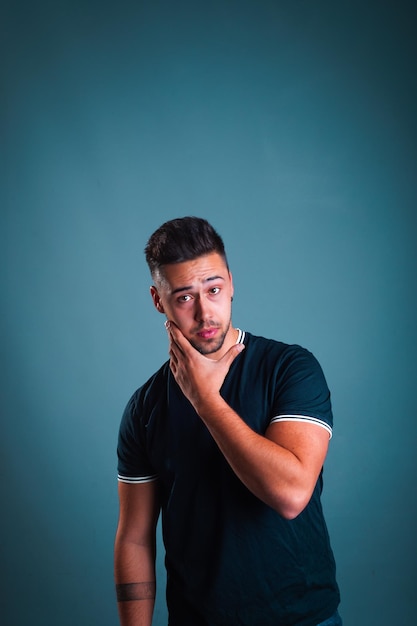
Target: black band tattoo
<point>128,592</point>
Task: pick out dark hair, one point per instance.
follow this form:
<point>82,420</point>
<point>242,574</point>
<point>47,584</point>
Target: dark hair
<point>182,239</point>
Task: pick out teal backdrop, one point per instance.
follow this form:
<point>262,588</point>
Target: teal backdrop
<point>291,126</point>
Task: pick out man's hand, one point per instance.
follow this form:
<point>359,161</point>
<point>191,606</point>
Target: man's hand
<point>199,377</point>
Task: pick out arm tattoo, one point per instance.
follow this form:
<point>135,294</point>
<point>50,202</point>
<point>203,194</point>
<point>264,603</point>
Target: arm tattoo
<point>136,591</point>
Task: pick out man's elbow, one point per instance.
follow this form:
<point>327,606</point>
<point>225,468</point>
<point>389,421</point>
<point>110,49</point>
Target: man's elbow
<point>294,504</point>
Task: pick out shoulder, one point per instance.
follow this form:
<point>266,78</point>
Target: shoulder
<point>152,386</point>
<point>148,395</point>
<point>286,379</point>
<point>262,345</point>
<point>280,352</point>
<point>284,364</point>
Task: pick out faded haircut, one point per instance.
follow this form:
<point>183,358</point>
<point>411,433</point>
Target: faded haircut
<point>182,239</point>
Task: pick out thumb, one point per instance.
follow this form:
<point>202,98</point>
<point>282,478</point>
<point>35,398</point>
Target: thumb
<point>233,352</point>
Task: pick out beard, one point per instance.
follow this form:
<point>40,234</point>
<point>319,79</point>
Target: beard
<point>209,346</point>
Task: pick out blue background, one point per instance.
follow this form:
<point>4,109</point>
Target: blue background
<point>291,126</point>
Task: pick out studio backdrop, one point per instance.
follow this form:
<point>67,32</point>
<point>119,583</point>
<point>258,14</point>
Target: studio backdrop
<point>291,126</point>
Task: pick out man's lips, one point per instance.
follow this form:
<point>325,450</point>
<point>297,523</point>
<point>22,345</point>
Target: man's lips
<point>207,333</point>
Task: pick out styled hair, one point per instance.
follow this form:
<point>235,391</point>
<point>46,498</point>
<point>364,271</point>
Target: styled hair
<point>182,239</point>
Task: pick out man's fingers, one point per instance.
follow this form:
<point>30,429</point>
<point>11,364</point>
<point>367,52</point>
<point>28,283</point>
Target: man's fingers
<point>177,338</point>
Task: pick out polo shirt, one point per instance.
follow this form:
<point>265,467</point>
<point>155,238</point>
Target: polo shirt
<point>231,559</point>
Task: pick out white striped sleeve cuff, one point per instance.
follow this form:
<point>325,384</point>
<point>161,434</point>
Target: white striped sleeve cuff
<point>302,418</point>
<point>136,480</point>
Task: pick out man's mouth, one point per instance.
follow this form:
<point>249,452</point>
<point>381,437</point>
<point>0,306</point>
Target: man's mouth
<point>207,333</point>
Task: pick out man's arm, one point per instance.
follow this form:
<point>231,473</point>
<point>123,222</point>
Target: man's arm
<point>281,467</point>
<point>135,551</point>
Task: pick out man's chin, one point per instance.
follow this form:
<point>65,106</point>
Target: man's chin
<point>208,347</point>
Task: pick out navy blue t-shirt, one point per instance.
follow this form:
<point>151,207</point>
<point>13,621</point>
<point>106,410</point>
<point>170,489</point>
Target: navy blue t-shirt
<point>231,559</point>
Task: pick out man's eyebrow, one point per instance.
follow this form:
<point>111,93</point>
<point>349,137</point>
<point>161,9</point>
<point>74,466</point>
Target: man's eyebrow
<point>189,287</point>
<point>179,289</point>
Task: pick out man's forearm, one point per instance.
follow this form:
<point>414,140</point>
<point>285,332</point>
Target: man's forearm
<point>272,472</point>
<point>128,592</point>
<point>135,583</point>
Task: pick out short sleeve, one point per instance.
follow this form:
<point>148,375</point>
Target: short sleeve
<point>302,393</point>
<point>133,463</point>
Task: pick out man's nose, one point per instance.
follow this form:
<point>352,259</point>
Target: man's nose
<point>202,310</point>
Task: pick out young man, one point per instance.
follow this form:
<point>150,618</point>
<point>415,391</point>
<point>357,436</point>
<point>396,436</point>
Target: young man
<point>228,439</point>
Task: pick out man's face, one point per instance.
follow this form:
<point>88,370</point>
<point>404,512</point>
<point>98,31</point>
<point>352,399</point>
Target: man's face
<point>196,295</point>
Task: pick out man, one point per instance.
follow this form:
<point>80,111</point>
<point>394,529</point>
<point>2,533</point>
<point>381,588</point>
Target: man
<point>228,439</point>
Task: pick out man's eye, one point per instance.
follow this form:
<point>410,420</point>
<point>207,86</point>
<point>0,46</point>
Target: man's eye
<point>215,290</point>
<point>185,298</point>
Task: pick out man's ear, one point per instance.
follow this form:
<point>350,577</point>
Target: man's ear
<point>231,284</point>
<point>156,299</point>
